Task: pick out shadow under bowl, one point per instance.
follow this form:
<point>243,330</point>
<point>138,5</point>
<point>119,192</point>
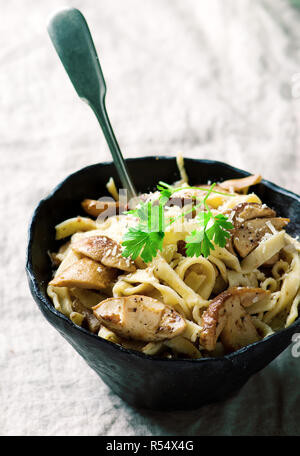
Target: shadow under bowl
<point>141,380</point>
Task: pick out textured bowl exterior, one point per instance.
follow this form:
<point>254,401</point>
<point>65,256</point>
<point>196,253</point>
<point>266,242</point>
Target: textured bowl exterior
<point>141,380</point>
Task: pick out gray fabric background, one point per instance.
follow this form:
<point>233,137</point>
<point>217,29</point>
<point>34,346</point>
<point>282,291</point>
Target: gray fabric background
<point>212,79</point>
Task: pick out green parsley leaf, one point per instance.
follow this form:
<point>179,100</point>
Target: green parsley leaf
<point>166,191</point>
<point>142,243</point>
<point>147,237</point>
<point>198,243</point>
<point>219,228</point>
<point>203,218</point>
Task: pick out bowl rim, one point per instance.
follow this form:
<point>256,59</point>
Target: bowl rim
<point>45,300</point>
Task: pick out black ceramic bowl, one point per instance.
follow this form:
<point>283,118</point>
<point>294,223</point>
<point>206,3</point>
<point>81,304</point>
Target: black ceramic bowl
<point>144,381</point>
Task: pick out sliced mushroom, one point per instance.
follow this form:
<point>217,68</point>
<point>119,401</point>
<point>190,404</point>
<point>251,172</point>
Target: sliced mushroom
<point>239,185</point>
<point>140,318</point>
<point>95,207</point>
<point>229,244</point>
<point>251,222</point>
<point>242,212</point>
<point>247,238</point>
<point>85,273</point>
<point>226,317</point>
<point>92,322</point>
<point>248,211</point>
<point>105,250</point>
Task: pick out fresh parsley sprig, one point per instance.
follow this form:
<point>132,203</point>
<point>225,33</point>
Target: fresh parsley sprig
<point>146,239</point>
<point>138,242</point>
<point>213,228</point>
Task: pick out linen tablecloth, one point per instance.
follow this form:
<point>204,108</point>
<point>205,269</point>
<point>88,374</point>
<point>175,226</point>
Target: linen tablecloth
<point>211,79</point>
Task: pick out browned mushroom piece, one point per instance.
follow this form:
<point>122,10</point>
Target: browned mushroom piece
<point>95,207</point>
<point>229,244</point>
<point>251,222</point>
<point>105,250</point>
<point>227,318</point>
<point>85,273</point>
<point>92,322</point>
<point>140,317</point>
<point>248,211</point>
<point>248,236</point>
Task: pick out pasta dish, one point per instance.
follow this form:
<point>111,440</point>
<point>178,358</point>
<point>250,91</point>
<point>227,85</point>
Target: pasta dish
<point>181,272</point>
